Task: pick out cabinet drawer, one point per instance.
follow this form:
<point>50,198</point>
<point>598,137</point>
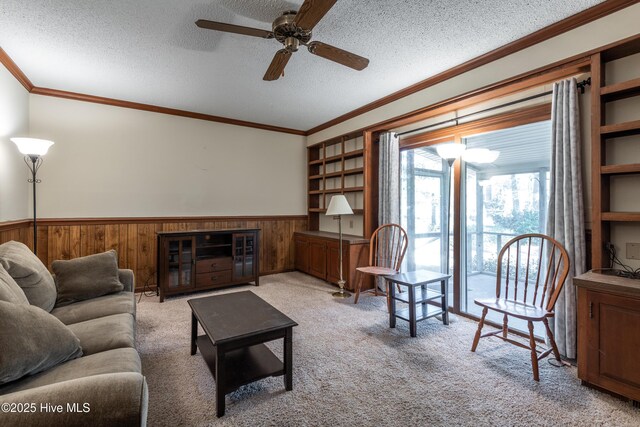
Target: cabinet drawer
<point>213,264</point>
<point>213,278</point>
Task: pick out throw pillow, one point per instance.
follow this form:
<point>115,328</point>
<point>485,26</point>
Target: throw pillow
<point>29,273</point>
<point>86,277</point>
<point>32,341</point>
<point>9,289</point>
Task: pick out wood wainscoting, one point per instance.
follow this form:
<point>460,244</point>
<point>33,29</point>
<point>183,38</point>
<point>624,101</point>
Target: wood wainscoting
<point>135,239</point>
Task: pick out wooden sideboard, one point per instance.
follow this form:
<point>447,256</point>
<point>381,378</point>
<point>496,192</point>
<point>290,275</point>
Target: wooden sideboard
<point>317,255</point>
<point>609,333</point>
<point>205,259</point>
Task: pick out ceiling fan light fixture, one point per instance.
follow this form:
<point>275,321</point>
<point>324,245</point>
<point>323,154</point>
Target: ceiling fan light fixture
<point>293,29</point>
<point>291,44</point>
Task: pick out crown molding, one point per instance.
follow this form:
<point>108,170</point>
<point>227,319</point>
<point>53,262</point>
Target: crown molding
<point>157,109</point>
<point>15,70</point>
<point>596,12</point>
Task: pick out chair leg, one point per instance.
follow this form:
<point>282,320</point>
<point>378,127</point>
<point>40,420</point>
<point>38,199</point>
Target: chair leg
<point>359,280</point>
<point>556,353</point>
<point>476,339</point>
<point>505,326</point>
<point>534,355</point>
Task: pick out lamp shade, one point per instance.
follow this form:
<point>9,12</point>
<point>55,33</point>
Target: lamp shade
<point>480,155</point>
<point>32,146</point>
<point>450,150</point>
<point>339,206</point>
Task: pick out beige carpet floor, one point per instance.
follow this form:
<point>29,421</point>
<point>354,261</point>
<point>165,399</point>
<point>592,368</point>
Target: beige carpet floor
<point>351,369</point>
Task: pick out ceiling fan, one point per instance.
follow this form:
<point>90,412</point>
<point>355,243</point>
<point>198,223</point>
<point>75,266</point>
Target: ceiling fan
<point>293,29</point>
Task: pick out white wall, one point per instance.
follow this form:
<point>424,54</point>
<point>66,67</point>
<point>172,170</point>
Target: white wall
<point>14,121</point>
<point>117,162</point>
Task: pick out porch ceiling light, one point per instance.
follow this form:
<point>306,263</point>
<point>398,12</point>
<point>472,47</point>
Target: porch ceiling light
<point>480,155</point>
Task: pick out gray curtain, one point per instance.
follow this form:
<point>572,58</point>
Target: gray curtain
<point>389,179</point>
<point>565,221</point>
<point>388,183</point>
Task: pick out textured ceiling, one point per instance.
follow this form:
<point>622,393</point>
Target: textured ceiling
<point>150,51</point>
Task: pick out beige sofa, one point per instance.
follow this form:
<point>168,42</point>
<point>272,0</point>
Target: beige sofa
<point>103,387</point>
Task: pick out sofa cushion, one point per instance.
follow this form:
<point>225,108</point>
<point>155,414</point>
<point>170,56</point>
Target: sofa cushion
<point>30,274</point>
<point>105,333</point>
<point>9,289</point>
<point>119,399</point>
<point>86,277</point>
<point>32,340</point>
<point>107,362</point>
<point>122,302</point>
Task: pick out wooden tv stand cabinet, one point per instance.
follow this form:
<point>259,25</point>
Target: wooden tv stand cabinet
<point>197,260</point>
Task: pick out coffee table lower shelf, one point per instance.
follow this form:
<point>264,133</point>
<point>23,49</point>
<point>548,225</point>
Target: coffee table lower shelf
<point>242,366</point>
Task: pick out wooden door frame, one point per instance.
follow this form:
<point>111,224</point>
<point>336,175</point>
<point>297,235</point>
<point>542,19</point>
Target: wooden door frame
<point>457,133</point>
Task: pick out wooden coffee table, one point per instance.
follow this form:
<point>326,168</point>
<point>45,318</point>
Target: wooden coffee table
<point>236,326</point>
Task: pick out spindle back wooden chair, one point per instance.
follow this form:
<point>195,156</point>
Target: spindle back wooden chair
<point>387,247</point>
<point>531,271</point>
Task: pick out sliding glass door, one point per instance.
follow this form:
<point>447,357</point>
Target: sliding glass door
<point>424,201</point>
<point>502,199</point>
<point>498,201</point>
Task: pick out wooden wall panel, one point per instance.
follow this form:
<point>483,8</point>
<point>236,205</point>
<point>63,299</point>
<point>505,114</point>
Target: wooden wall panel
<point>134,239</point>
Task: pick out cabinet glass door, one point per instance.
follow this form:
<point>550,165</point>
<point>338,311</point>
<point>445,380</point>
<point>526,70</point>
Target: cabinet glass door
<point>244,256</point>
<point>180,263</point>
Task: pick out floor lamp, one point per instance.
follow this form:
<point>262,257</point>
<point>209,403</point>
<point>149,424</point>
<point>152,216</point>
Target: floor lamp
<point>33,150</point>
<point>339,206</point>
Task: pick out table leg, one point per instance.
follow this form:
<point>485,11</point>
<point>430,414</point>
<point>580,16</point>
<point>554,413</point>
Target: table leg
<point>412,311</point>
<point>220,386</point>
<point>288,359</point>
<point>445,303</point>
<point>194,333</point>
<point>392,308</point>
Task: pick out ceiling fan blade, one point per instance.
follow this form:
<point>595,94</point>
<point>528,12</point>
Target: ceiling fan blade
<point>340,56</point>
<point>311,12</point>
<point>278,63</point>
<point>237,29</point>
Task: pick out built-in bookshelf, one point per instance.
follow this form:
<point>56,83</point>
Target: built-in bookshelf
<point>615,111</point>
<point>336,166</point>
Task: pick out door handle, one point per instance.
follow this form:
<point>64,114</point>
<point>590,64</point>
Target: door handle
<point>591,310</point>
